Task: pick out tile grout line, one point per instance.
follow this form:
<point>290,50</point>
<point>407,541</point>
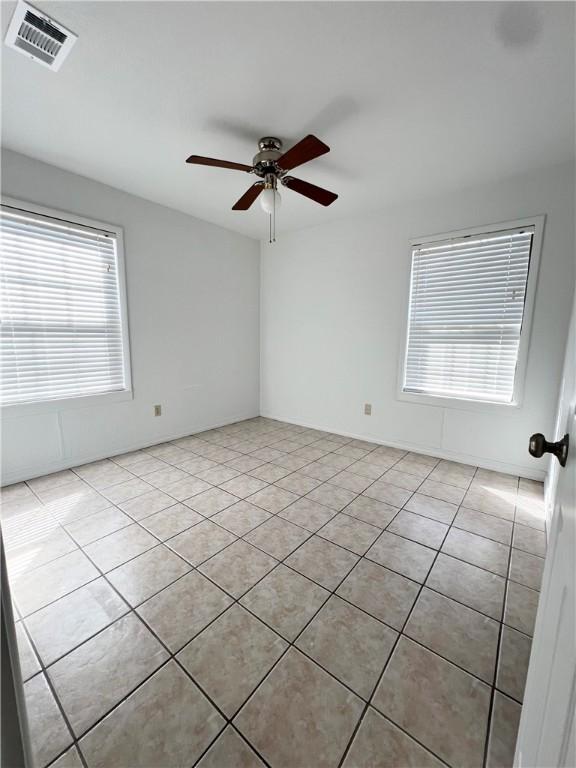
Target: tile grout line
<point>176,501</point>
<point>137,522</point>
<point>336,512</point>
<point>383,672</point>
<point>402,633</point>
<point>343,511</point>
<point>287,556</point>
<point>498,656</point>
<point>172,656</point>
<point>44,673</point>
<point>336,678</point>
<point>49,682</point>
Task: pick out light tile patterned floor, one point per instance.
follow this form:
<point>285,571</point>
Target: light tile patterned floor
<point>266,594</point>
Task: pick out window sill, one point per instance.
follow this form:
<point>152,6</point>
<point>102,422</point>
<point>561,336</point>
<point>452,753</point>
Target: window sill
<point>455,403</point>
<point>65,404</point>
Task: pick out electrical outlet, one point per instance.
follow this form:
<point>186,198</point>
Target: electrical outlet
<point>367,409</point>
<point>157,410</point>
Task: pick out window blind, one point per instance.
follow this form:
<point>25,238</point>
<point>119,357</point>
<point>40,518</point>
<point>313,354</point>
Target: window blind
<point>465,318</point>
<point>61,327</point>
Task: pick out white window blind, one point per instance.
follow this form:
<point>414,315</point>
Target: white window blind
<point>61,327</point>
<point>467,299</point>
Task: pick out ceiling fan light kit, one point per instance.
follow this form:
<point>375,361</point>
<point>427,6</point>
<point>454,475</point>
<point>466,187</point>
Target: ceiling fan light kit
<point>270,200</point>
<point>271,164</point>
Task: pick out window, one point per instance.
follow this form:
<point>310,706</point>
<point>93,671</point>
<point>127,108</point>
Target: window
<point>63,314</point>
<point>468,313</point>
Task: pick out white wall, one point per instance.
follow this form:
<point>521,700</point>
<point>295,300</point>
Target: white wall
<point>333,305</point>
<point>193,311</point>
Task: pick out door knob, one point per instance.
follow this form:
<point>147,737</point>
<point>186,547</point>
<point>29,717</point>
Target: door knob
<point>538,446</point>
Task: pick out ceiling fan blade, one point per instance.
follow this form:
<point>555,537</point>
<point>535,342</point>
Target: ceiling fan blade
<point>307,149</point>
<point>248,197</point>
<point>199,160</point>
<point>319,195</point>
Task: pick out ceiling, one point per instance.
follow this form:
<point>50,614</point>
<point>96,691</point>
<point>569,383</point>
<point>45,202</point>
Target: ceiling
<point>413,98</point>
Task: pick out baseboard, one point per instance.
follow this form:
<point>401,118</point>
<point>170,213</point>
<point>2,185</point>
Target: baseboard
<point>28,473</point>
<point>462,458</point>
<point>67,463</point>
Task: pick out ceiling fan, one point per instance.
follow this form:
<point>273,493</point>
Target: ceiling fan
<point>271,164</point>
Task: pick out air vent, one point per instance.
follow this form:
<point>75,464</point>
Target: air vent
<point>39,37</point>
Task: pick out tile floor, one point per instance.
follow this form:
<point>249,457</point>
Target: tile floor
<point>266,594</point>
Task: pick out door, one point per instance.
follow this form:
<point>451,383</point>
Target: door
<point>546,737</point>
<point>15,743</point>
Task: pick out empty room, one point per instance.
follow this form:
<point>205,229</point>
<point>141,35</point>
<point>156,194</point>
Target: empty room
<point>288,384</point>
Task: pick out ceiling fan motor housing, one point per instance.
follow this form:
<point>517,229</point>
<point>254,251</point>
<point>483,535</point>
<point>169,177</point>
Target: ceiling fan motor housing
<point>265,161</point>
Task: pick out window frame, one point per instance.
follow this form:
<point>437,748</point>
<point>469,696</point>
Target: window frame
<point>461,403</point>
<point>81,401</point>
